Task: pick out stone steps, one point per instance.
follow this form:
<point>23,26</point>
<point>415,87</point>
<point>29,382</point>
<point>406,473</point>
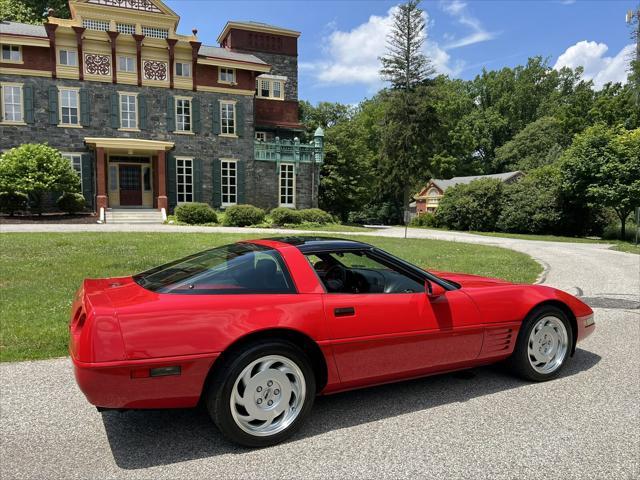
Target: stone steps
<point>133,216</point>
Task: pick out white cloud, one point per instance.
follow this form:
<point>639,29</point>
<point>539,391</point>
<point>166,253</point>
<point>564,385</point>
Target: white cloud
<point>458,10</point>
<point>597,66</point>
<point>351,57</point>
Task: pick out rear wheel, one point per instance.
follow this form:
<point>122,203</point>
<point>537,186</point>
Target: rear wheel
<point>261,396</point>
<point>543,345</point>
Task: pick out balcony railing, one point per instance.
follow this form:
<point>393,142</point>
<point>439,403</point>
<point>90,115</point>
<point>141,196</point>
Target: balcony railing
<point>291,151</point>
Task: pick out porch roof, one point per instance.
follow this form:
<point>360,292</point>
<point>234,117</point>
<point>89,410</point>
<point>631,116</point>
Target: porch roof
<point>127,143</point>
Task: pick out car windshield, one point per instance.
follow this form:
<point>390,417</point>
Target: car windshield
<point>231,269</point>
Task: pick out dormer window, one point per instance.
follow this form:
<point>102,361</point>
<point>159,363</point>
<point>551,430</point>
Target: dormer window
<point>11,53</point>
<point>226,75</point>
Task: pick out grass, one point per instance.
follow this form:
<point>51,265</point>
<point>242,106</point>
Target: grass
<point>41,272</point>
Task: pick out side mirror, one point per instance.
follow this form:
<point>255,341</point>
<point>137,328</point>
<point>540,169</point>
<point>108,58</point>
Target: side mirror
<point>434,290</point>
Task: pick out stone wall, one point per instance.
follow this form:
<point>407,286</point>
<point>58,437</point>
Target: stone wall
<point>261,179</point>
<point>286,65</point>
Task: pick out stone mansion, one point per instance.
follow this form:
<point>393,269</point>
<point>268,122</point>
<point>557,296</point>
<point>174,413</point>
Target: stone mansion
<point>153,118</point>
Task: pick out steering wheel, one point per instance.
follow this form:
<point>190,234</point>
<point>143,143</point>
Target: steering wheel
<point>335,278</point>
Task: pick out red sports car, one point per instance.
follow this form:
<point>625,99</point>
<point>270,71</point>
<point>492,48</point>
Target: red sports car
<point>256,329</point>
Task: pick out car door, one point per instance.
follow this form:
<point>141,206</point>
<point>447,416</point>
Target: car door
<point>400,332</point>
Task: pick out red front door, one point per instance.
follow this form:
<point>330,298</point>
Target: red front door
<point>130,185</point>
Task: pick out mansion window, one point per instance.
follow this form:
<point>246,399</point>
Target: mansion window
<point>75,159</point>
<point>11,53</point>
<point>100,25</point>
<point>226,75</point>
<point>184,180</point>
<point>183,69</point>
<point>183,114</point>
<point>287,185</point>
<point>126,64</point>
<point>155,32</point>
<point>128,111</point>
<point>69,107</point>
<point>261,136</point>
<point>126,28</point>
<point>267,87</point>
<point>68,57</point>
<point>227,118</point>
<point>229,182</point>
<point>12,103</point>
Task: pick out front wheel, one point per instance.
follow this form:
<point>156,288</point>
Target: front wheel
<point>544,343</point>
<point>260,397</point>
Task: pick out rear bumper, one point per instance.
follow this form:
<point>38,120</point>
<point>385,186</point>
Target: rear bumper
<point>128,384</point>
<point>586,326</point>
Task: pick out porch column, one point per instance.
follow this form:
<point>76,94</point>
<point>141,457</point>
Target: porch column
<point>172,46</point>
<point>162,181</point>
<point>195,47</point>
<point>101,179</point>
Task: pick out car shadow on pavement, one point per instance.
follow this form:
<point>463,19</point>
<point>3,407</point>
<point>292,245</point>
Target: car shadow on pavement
<point>147,438</point>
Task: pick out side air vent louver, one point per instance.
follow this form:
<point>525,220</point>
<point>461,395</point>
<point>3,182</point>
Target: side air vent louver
<point>498,340</point>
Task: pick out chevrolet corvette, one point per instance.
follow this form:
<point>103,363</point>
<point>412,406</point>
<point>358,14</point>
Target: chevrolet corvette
<point>255,330</point>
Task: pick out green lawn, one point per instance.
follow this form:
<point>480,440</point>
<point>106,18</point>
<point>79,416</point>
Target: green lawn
<point>41,271</point>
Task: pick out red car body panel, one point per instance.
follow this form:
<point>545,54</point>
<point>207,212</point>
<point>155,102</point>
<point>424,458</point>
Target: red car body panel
<point>120,331</point>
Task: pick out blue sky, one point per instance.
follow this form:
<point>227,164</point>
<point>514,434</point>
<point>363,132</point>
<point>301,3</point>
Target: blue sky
<point>341,40</point>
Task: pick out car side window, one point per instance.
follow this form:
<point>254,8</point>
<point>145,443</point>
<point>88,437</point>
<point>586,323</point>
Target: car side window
<point>360,272</point>
<point>232,269</point>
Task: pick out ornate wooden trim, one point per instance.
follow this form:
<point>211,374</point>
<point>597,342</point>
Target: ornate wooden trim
<point>112,38</point>
<point>172,53</point>
<point>195,47</point>
<point>51,33</point>
<point>138,38</point>
<point>79,32</point>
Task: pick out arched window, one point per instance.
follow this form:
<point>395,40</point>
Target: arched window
<point>433,192</point>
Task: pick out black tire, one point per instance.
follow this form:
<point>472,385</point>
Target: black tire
<point>519,362</point>
<point>220,389</point>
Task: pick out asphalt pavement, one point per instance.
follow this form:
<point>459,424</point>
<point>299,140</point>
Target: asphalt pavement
<point>481,423</point>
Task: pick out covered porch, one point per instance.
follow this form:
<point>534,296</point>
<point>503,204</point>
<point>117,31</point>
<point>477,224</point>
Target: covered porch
<point>130,173</point>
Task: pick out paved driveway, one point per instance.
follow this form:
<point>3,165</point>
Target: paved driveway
<point>477,424</point>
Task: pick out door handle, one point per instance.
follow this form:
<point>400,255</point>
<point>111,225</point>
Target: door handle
<point>344,312</point>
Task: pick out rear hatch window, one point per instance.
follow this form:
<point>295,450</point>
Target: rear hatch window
<point>239,268</point>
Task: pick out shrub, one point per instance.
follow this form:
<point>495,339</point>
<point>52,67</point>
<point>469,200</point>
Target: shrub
<point>284,215</point>
<point>71,202</point>
<point>384,213</point>
<point>195,214</point>
<point>316,215</point>
<point>243,216</point>
<point>424,220</point>
<point>475,206</point>
<point>12,202</point>
<point>532,205</point>
<point>36,169</point>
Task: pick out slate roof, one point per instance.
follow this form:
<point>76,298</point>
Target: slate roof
<point>225,53</point>
<point>26,29</point>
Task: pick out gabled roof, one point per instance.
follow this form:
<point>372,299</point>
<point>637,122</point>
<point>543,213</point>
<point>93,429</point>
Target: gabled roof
<point>444,184</point>
<point>26,29</point>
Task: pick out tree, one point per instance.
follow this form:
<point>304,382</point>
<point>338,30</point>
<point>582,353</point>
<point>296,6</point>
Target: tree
<point>532,204</point>
<point>475,206</point>
<point>617,183</point>
<point>405,66</point>
<point>35,169</point>
<point>32,11</point>
<point>537,144</point>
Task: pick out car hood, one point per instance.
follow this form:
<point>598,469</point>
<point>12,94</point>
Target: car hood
<point>470,281</point>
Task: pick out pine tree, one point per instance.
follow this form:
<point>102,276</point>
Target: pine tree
<point>404,65</point>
